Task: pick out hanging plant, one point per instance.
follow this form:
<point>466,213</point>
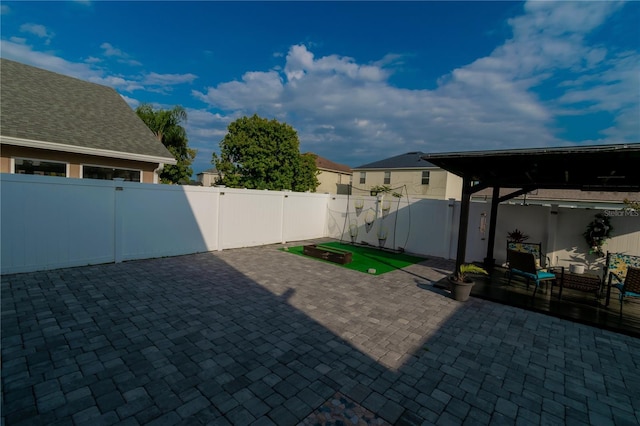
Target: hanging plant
<point>597,233</point>
<point>384,189</point>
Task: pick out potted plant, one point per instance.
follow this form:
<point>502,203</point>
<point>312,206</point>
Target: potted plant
<point>462,282</point>
<point>597,233</point>
<point>375,190</point>
<point>516,236</point>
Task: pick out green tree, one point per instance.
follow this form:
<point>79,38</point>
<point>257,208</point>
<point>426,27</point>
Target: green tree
<point>167,126</point>
<point>257,153</point>
<point>306,178</point>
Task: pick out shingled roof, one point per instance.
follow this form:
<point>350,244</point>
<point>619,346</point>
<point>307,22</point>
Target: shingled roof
<point>73,115</point>
<point>324,164</point>
<point>410,160</point>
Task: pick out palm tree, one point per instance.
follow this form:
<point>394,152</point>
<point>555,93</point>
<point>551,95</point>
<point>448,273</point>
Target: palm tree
<point>166,125</point>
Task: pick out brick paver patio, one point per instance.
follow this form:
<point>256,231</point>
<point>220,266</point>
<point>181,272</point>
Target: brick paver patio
<point>261,336</point>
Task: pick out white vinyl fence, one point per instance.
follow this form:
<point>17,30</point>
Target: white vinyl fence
<point>50,222</point>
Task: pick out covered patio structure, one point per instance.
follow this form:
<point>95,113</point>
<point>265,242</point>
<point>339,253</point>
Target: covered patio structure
<point>603,168</point>
<point>613,168</point>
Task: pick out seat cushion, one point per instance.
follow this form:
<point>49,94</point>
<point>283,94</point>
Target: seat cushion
<point>626,293</point>
<point>537,277</point>
<point>546,275</point>
<point>524,274</point>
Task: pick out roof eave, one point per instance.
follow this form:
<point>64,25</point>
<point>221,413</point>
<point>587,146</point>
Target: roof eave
<point>396,168</point>
<point>529,151</point>
<point>53,146</point>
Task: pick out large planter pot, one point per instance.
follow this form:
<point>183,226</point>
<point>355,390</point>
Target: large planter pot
<point>460,290</point>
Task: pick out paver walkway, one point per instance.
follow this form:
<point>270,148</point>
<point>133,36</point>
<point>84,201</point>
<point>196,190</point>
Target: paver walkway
<point>261,336</point>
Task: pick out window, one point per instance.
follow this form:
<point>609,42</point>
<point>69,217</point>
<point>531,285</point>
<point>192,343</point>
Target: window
<point>109,173</point>
<point>26,166</point>
<point>363,178</point>
<point>425,177</point>
<point>387,178</point>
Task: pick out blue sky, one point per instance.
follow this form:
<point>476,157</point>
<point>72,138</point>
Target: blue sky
<point>359,81</point>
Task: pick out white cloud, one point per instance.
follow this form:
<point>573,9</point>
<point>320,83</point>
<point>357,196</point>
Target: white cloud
<point>112,52</point>
<point>256,90</point>
<point>133,103</point>
<point>23,53</point>
<point>168,79</point>
<point>118,82</point>
<point>340,106</point>
<point>350,112</point>
<point>37,30</point>
<point>18,40</point>
<point>109,50</point>
<point>301,62</point>
<point>84,71</point>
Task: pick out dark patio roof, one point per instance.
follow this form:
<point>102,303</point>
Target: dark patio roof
<point>594,168</point>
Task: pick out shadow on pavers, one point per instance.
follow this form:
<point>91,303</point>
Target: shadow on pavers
<point>216,338</point>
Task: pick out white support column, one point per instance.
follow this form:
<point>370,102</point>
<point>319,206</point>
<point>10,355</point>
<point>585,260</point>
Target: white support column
<point>283,215</point>
<point>552,232</point>
<point>221,199</point>
<point>118,218</point>
<point>448,227</point>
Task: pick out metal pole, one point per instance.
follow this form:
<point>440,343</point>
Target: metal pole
<point>490,261</point>
<point>464,223</point>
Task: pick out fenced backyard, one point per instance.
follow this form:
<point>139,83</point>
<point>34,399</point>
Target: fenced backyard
<point>50,223</point>
<point>259,335</point>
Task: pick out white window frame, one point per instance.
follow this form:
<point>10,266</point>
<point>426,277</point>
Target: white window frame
<point>363,178</point>
<point>12,165</point>
<point>428,177</point>
<point>108,167</point>
<point>386,180</point>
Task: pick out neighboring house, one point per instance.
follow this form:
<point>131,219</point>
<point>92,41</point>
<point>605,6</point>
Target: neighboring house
<point>334,178</point>
<point>420,178</point>
<point>55,125</point>
<point>209,177</point>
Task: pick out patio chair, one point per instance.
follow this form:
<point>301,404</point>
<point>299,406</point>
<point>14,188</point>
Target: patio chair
<point>524,265</point>
<point>615,268</point>
<point>542,261</point>
<point>630,287</point>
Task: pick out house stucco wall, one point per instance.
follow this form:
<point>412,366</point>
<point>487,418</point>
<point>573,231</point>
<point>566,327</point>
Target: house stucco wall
<point>442,184</point>
<point>74,161</point>
<point>333,182</point>
<point>207,179</point>
<point>453,186</point>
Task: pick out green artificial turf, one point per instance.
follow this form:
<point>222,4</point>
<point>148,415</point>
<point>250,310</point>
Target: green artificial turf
<point>365,258</point>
